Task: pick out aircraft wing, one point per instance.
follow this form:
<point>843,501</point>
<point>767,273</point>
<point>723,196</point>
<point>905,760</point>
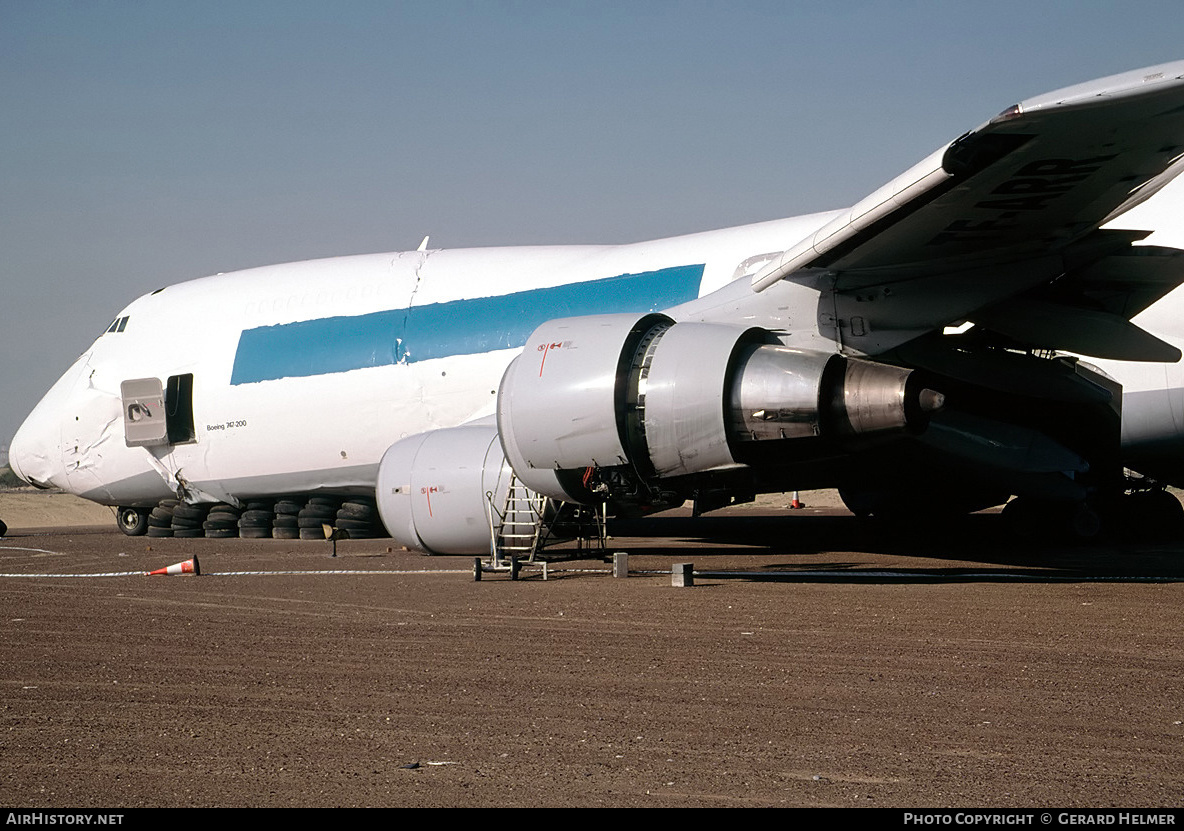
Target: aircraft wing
<point>1042,173</point>
<point>1016,204</point>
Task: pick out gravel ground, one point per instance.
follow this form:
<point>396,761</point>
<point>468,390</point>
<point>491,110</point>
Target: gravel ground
<point>952,669</point>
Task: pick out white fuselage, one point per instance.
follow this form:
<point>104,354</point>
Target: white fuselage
<point>299,414</point>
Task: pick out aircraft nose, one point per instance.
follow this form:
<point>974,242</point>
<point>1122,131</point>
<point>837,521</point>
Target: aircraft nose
<point>35,453</point>
<point>15,452</point>
<point>28,455</point>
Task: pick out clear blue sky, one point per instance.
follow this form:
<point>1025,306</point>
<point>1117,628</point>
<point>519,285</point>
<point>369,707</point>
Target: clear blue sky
<point>145,143</point>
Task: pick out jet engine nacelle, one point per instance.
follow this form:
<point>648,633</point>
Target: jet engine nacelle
<point>435,489</point>
<point>432,487</point>
<point>668,399</point>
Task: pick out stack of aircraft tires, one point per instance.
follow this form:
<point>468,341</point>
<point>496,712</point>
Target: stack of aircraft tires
<point>320,510</point>
<point>255,522</point>
<point>359,516</point>
<point>286,523</point>
<point>286,518</point>
<point>189,520</point>
<point>221,521</point>
<point>160,521</point>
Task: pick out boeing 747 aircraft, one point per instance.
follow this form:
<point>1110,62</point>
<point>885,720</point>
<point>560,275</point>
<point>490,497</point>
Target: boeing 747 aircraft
<point>989,324</point>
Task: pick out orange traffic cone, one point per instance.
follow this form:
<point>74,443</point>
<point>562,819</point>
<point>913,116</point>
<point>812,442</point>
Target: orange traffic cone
<point>795,502</point>
<point>187,567</point>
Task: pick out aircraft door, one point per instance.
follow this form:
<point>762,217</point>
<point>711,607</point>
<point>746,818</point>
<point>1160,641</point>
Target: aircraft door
<point>155,415</point>
<point>145,423</point>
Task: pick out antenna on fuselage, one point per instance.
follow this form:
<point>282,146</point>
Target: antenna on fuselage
<point>423,246</point>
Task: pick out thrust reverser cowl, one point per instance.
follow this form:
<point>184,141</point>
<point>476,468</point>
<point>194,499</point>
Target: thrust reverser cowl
<point>667,399</point>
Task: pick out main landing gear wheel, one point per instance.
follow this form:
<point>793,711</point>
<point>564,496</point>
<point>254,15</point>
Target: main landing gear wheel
<point>133,521</point>
<point>1065,522</point>
<point>1082,523</point>
<point>1152,514</point>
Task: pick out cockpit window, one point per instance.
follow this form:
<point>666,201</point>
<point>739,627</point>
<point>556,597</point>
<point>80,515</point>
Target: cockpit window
<point>118,325</point>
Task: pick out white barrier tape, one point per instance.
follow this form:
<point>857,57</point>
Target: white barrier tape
<point>105,574</point>
<point>339,571</point>
<point>948,577</point>
<point>247,573</point>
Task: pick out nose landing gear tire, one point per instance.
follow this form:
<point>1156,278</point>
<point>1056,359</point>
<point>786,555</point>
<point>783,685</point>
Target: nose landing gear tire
<point>133,521</point>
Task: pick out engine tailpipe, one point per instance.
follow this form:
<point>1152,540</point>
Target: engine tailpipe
<point>785,393</point>
<point>871,398</point>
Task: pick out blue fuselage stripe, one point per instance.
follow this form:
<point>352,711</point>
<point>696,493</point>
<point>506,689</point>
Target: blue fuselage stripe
<point>439,330</point>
